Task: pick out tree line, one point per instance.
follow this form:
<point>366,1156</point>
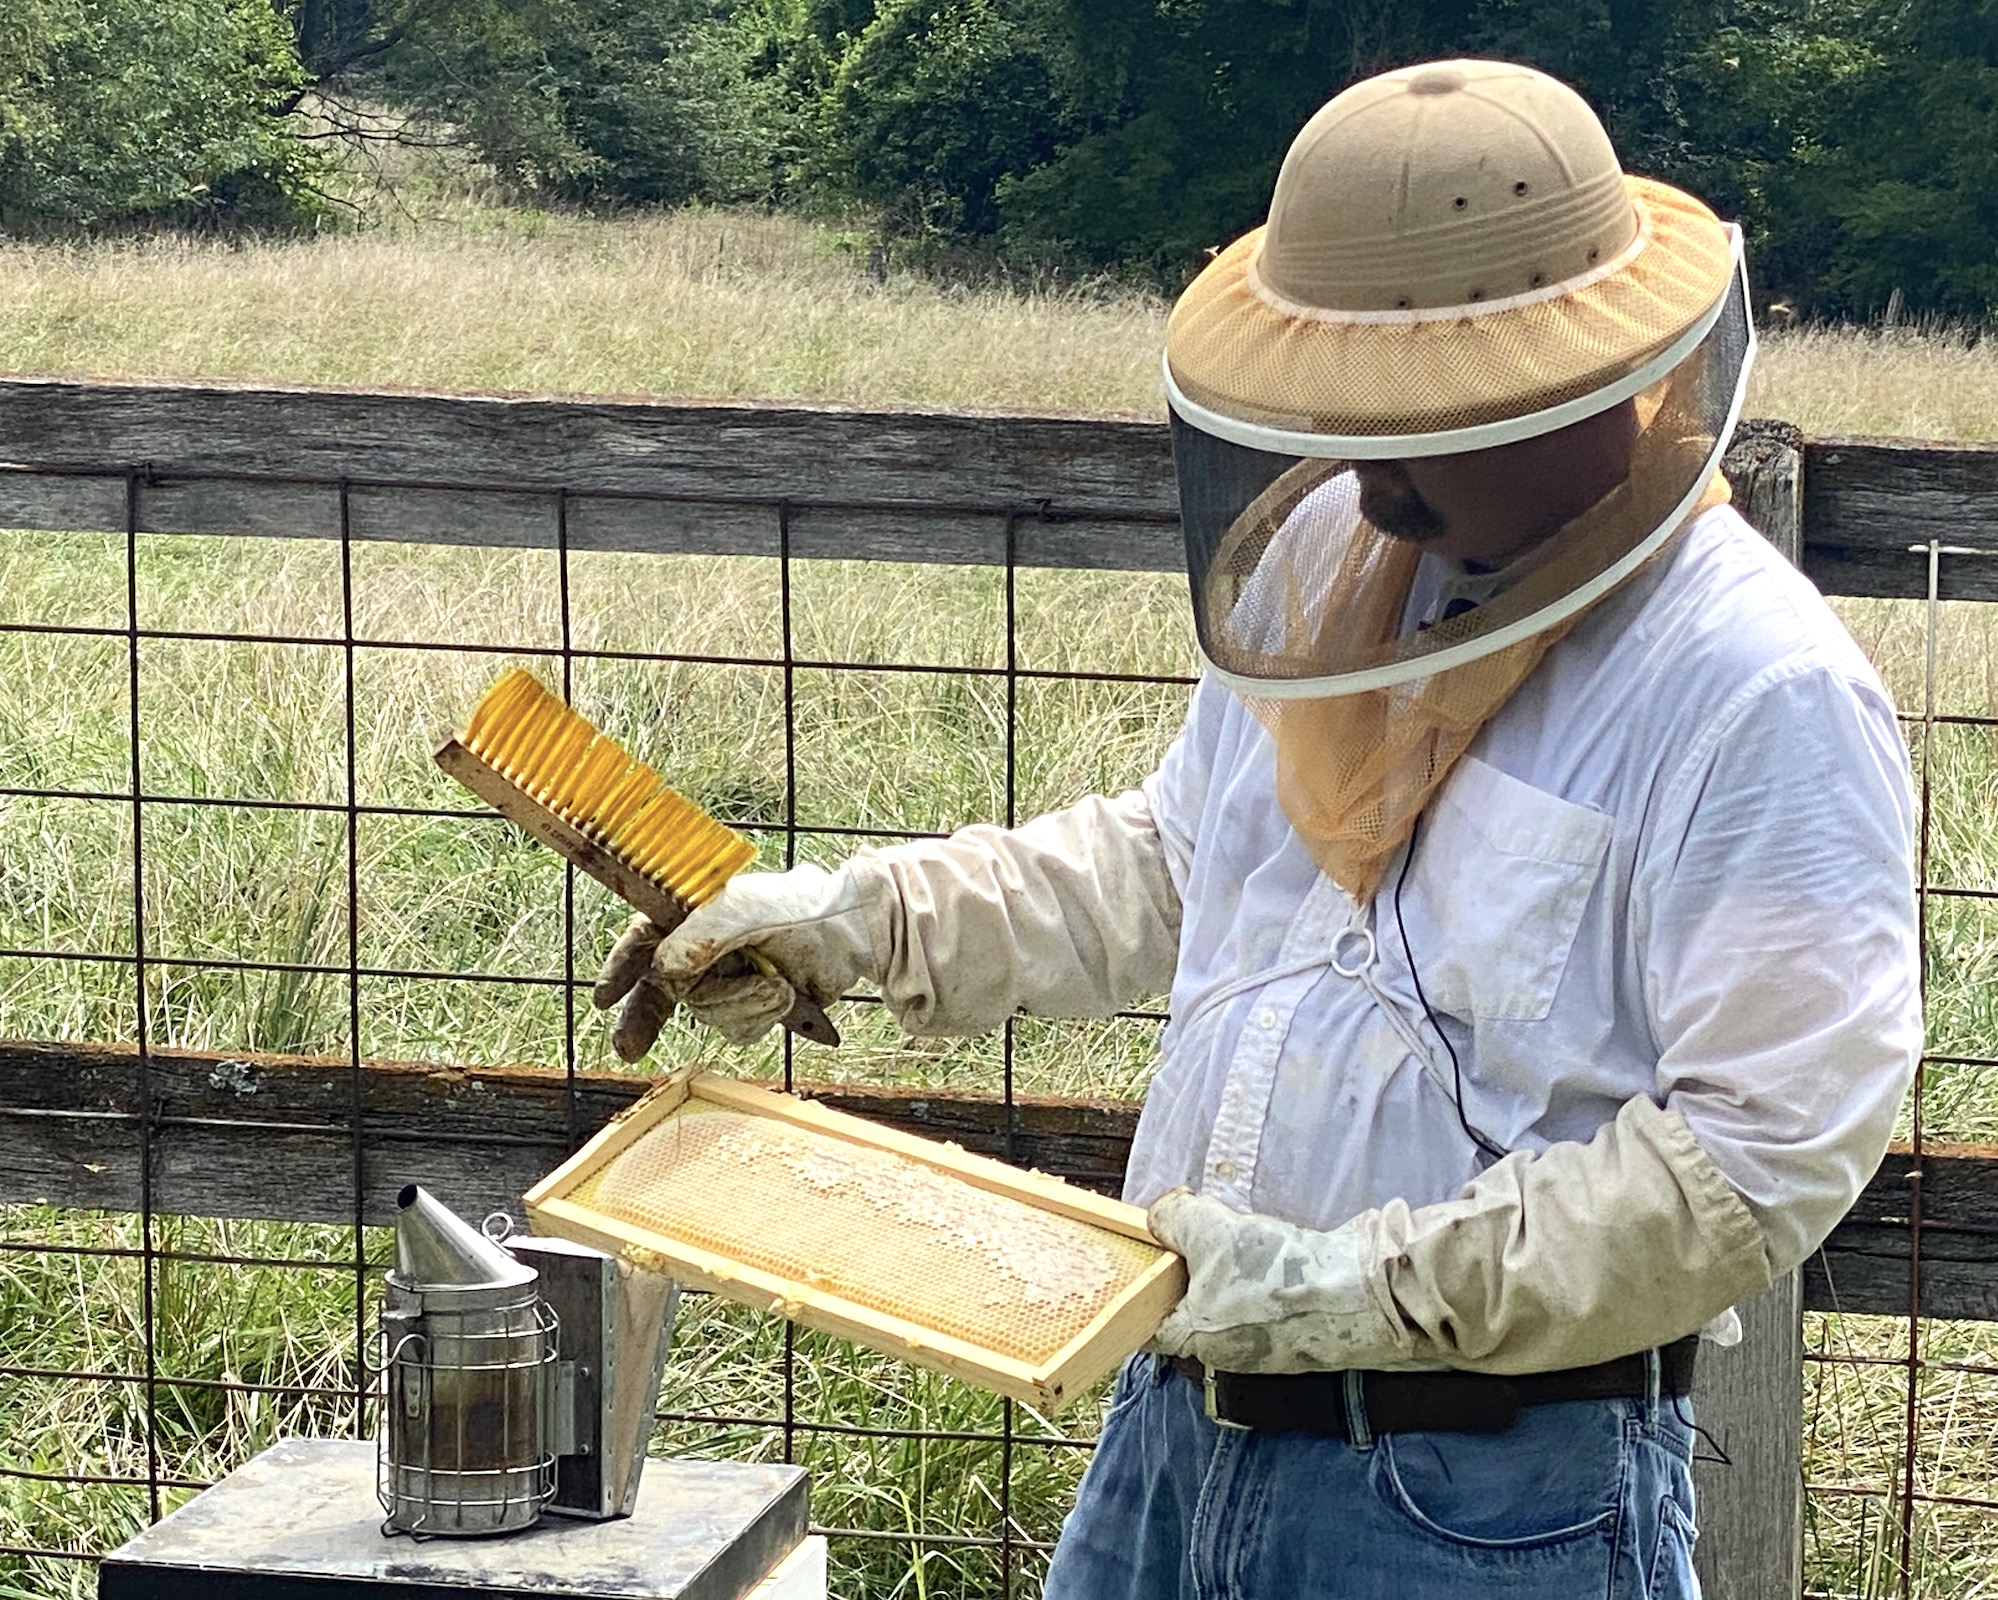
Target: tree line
<point>1857,140</point>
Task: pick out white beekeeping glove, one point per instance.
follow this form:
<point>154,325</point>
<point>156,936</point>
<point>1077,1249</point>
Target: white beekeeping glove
<point>1266,1296</point>
<point>1563,1259</point>
<point>1073,915</point>
<point>816,931</point>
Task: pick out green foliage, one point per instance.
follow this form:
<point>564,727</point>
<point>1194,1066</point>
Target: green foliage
<point>644,100</point>
<point>934,104</point>
<point>334,36</point>
<point>114,111</point>
<point>1854,138</point>
<point>1183,109</point>
<point>1903,191</point>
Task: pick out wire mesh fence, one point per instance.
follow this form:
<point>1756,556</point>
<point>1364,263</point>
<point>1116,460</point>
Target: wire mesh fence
<point>229,812</point>
<point>230,874</point>
<point>1901,1411</point>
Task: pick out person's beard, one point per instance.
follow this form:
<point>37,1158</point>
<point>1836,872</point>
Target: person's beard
<point>1395,506</point>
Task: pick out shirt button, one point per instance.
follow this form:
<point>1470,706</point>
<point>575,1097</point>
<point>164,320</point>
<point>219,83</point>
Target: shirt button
<point>1225,1171</point>
<point>1266,1020</point>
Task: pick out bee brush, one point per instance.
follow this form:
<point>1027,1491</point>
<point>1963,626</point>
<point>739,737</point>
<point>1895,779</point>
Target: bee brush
<point>543,765</point>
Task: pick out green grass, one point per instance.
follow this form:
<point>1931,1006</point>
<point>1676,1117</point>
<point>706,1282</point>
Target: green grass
<point>894,751</point>
<point>1855,1420</point>
<point>443,289</point>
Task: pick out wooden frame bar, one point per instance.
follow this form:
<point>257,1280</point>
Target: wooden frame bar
<point>1111,1334</point>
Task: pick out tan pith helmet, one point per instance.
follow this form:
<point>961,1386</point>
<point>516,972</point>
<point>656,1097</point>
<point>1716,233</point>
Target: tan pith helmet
<point>1450,246</point>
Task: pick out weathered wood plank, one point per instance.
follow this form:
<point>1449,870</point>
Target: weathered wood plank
<point>899,486</point>
<point>485,470</point>
<point>508,518</point>
<point>1869,502</point>
<point>587,446</point>
<point>228,1123</point>
<point>61,504</point>
<point>1751,1506</point>
<point>1865,1266</point>
<point>271,1137</point>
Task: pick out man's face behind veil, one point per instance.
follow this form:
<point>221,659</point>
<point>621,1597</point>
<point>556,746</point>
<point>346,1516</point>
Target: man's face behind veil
<point>1392,503</point>
<point>1490,506</point>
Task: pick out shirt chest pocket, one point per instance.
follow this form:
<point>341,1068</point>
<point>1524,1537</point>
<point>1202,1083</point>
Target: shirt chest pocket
<point>1504,871</point>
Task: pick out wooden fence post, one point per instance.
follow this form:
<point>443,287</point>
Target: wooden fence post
<point>1765,467</point>
<point>1750,1400</point>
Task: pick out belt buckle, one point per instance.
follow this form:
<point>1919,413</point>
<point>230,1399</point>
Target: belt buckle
<point>1210,1402</point>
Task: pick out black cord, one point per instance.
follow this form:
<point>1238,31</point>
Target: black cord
<point>1720,1457</point>
<point>1489,1147</point>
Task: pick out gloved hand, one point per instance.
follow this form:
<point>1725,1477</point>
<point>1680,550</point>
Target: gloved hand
<point>816,931</point>
<point>1071,915</point>
<point>1266,1296</point>
<point>1567,1257</point>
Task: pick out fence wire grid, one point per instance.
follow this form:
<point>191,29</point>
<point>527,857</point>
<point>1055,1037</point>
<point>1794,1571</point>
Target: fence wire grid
<point>220,831</point>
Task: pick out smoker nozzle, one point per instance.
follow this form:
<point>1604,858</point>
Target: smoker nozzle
<point>436,1249</point>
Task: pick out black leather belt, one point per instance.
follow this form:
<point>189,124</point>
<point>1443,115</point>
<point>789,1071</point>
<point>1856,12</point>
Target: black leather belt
<point>1423,1402</point>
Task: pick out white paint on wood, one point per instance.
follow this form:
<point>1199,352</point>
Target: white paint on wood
<point>799,1576</point>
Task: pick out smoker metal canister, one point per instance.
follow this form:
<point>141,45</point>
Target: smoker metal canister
<point>469,1353</point>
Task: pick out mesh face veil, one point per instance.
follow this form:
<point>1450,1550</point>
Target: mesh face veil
<point>1296,594</point>
<point>1312,344</point>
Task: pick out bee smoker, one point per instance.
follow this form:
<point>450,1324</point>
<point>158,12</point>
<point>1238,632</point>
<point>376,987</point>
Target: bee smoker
<point>519,1376</point>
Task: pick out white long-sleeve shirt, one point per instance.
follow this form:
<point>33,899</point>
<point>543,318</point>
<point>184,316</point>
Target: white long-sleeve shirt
<point>1676,863</point>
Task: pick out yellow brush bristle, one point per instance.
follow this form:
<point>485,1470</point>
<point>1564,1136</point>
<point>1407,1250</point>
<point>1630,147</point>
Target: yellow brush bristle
<point>589,780</point>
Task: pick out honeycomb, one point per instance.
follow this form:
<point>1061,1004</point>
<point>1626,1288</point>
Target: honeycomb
<point>877,1229</point>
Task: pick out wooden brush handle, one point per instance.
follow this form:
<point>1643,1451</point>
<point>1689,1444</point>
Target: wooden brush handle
<point>808,1020</point>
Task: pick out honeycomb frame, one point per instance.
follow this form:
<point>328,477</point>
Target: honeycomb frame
<point>1094,1345</point>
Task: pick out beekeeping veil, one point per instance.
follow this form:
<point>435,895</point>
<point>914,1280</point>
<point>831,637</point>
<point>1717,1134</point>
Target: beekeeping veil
<point>1454,261</point>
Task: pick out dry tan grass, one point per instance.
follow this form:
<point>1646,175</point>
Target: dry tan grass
<point>695,304</point>
<point>736,304</point>
<point>1937,385</point>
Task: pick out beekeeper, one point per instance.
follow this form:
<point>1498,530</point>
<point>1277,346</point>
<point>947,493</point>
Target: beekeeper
<point>1531,879</point>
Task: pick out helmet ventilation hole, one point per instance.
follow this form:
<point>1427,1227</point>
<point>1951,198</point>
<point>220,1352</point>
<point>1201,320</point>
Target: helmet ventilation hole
<point>1536,280</point>
<point>1402,302</point>
<point>1594,251</point>
<point>1460,202</point>
<point>1477,294</point>
<point>1519,187</point>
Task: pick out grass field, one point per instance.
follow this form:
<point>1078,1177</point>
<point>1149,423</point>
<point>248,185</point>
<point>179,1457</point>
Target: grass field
<point>740,305</point>
<point>888,750</point>
<point>724,305</point>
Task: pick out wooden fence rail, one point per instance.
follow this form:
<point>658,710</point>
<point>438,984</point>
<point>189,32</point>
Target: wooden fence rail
<point>223,1123</point>
<point>1862,517</point>
<point>704,479</point>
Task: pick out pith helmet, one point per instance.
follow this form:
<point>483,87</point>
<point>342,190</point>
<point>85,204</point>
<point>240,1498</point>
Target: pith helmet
<point>1454,260</point>
<point>1449,247</point>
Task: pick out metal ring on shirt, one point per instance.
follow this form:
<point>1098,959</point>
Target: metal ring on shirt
<point>1343,940</point>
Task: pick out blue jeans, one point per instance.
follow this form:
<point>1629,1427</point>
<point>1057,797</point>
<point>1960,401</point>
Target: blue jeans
<point>1592,1498</point>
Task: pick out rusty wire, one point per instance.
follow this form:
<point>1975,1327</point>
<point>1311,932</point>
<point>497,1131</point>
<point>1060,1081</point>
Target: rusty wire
<point>1007,1541</point>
